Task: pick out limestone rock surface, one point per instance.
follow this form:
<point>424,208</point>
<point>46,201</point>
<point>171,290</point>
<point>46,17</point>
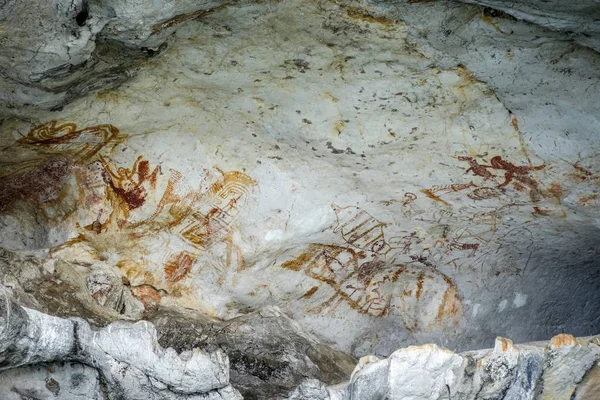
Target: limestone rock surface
<point>55,51</point>
<point>539,370</point>
<point>46,357</point>
<point>131,363</point>
<point>581,19</point>
<point>328,161</point>
<point>62,381</point>
<point>269,353</point>
<point>280,187</point>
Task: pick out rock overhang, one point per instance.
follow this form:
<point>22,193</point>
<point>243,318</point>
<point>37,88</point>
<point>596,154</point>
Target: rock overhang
<point>328,160</point>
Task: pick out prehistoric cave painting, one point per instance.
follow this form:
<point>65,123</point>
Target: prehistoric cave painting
<point>79,145</point>
<point>380,276</point>
<point>491,185</point>
<point>584,174</point>
<point>201,218</point>
<point>419,293</point>
<point>127,184</point>
<point>178,266</point>
<point>457,187</point>
<point>339,267</point>
<point>409,208</point>
<point>519,246</point>
<point>485,193</point>
<point>406,244</point>
<point>359,229</point>
<point>365,274</point>
<point>209,219</point>
<point>519,176</point>
<point>117,205</point>
<point>44,163</point>
<point>449,239</point>
<point>489,218</point>
<point>114,193</point>
<point>176,201</point>
<point>447,232</point>
<point>476,168</point>
<point>213,215</point>
<point>43,184</point>
<point>429,298</point>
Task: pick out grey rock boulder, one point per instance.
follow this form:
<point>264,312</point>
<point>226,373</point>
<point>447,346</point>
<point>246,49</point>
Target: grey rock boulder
<point>131,363</point>
<point>546,370</point>
<point>269,353</point>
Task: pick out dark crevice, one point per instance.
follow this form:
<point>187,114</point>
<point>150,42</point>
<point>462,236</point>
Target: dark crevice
<point>83,14</point>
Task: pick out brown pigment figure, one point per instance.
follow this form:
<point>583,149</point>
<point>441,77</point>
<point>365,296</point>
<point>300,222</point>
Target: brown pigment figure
<point>478,169</point>
<point>126,186</point>
<point>512,173</point>
<point>518,173</point>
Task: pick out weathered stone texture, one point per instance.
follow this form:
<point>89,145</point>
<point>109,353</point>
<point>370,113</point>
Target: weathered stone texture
<point>281,188</point>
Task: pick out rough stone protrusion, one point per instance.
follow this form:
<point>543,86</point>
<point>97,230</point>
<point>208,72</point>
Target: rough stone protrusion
<point>54,52</point>
<point>525,372</point>
<point>270,353</point>
<point>127,356</point>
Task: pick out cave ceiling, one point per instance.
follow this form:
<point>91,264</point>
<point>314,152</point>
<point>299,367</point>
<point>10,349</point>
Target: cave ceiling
<point>383,173</point>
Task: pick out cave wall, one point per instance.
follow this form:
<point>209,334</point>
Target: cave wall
<point>46,357</point>
<point>386,174</point>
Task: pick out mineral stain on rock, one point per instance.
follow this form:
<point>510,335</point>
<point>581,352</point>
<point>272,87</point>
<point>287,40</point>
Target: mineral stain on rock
<point>53,386</point>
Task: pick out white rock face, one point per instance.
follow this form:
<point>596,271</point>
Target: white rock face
<point>580,18</point>
<point>62,381</point>
<point>529,371</point>
<point>385,174</point>
<point>48,357</point>
<point>132,363</point>
<point>316,158</point>
<point>55,51</point>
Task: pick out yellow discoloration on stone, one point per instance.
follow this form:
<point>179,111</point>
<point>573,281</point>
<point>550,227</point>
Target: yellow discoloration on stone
<point>563,340</point>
